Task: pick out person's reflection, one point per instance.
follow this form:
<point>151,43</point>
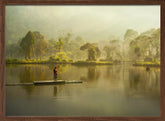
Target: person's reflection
<point>55,91</point>
<point>58,89</point>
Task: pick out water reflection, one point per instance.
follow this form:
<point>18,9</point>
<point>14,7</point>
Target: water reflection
<point>55,91</point>
<point>90,73</point>
<point>111,87</point>
<point>137,80</point>
<point>27,75</point>
<point>93,73</point>
<point>144,82</point>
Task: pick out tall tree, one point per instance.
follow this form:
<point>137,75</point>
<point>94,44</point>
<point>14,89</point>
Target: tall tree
<point>27,45</point>
<point>137,51</point>
<point>41,48</point>
<point>130,34</point>
<point>59,44</point>
<point>108,49</point>
<point>92,54</point>
<point>92,50</point>
<point>41,45</point>
<point>68,38</point>
<point>115,49</point>
<point>156,42</point>
<point>146,45</point>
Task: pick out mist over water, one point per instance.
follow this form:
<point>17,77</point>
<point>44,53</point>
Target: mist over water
<point>114,50</point>
<point>120,90</point>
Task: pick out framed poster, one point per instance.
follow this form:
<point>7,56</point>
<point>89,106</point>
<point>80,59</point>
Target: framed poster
<point>82,60</point>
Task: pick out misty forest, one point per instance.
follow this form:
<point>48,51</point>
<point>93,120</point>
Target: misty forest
<point>60,39</point>
<point>112,52</point>
<point>34,47</point>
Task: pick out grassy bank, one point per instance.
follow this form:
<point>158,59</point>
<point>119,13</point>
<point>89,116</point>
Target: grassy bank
<point>59,61</point>
<point>152,64</point>
<point>92,63</point>
<point>34,61</point>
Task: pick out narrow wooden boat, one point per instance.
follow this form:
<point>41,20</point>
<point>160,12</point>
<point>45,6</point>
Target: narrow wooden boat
<point>45,82</point>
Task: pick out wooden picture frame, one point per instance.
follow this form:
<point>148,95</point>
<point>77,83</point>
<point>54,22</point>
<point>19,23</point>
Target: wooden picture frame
<point>78,2</point>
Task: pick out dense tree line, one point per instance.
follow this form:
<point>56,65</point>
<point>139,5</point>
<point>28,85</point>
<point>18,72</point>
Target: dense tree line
<point>144,46</point>
<point>35,46</point>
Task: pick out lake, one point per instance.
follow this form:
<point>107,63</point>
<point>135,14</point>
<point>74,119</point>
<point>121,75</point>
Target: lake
<point>107,90</point>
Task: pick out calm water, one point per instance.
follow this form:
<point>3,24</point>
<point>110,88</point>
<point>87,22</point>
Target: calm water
<point>110,90</point>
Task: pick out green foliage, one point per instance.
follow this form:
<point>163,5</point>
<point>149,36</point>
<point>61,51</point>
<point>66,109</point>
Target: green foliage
<point>137,51</point>
<point>146,44</point>
<point>71,47</point>
<point>27,45</point>
<point>92,63</point>
<point>60,58</point>
<point>148,32</point>
<point>85,46</point>
<point>113,50</point>
<point>134,47</point>
<point>12,50</point>
<point>130,34</point>
<point>61,55</point>
<point>108,49</point>
<point>92,54</point>
<point>93,51</point>
<point>59,44</point>
<point>68,38</point>
<point>156,43</point>
<point>12,61</point>
<point>41,46</point>
<point>29,61</point>
<point>156,63</point>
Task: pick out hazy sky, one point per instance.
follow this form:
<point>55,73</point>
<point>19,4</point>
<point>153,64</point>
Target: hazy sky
<point>90,22</point>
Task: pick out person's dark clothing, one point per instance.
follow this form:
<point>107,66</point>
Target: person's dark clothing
<point>55,73</point>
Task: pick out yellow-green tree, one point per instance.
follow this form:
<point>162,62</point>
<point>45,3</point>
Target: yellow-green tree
<point>27,45</point>
<point>41,48</point>
<point>93,51</point>
<point>92,54</point>
<point>59,44</point>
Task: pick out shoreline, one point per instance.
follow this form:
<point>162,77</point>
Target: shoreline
<point>145,64</point>
<point>20,62</point>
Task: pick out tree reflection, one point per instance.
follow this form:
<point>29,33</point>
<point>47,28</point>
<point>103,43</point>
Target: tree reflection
<point>31,73</point>
<point>112,73</point>
<point>93,73</point>
<point>108,72</point>
<point>135,81</point>
<point>55,91</point>
<point>142,81</point>
<point>27,75</point>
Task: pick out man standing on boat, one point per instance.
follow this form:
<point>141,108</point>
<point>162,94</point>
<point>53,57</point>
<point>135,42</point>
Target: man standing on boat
<point>55,72</point>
